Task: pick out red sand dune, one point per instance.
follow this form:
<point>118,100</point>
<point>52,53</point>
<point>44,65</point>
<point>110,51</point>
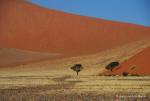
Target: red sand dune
<point>26,26</point>
<point>138,64</point>
<point>13,57</point>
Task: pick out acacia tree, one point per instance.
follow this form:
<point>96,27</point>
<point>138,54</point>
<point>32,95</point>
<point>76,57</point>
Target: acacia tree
<point>77,68</point>
<point>112,65</point>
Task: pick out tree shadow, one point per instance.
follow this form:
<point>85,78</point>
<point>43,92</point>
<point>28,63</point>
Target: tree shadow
<point>61,83</point>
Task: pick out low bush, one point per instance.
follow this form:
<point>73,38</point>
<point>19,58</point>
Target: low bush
<point>125,73</point>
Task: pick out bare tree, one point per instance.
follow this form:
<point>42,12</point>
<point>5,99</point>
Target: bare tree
<point>77,68</point>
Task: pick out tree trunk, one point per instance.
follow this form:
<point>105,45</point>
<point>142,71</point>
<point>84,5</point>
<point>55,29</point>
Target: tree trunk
<point>77,73</point>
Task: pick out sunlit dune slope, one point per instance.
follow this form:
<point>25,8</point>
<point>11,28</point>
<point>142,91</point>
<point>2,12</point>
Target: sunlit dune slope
<point>26,26</point>
<point>14,57</point>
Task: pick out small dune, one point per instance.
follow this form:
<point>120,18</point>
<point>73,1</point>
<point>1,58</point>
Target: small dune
<point>136,65</point>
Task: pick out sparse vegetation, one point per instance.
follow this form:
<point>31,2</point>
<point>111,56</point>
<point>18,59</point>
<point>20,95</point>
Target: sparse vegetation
<point>77,68</point>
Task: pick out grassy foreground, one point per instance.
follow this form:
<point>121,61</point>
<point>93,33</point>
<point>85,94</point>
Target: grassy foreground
<point>71,88</point>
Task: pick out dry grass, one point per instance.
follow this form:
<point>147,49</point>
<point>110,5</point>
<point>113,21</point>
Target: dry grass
<point>70,88</point>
